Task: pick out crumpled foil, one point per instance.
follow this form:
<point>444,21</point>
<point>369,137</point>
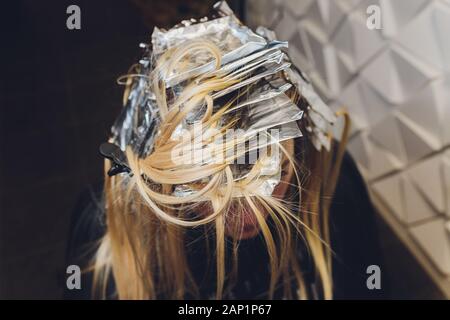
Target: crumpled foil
<point>265,73</point>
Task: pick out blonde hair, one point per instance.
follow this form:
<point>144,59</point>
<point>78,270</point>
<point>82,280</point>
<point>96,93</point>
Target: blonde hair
<point>144,245</point>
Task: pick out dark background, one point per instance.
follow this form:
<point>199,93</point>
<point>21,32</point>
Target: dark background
<point>58,98</point>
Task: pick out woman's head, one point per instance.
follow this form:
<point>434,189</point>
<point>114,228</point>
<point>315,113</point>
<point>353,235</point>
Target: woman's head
<point>241,222</point>
<point>193,176</point>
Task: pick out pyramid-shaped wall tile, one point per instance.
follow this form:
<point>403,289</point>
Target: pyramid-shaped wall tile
<point>427,176</point>
<point>382,161</point>
<point>417,142</point>
<point>356,42</point>
<point>434,240</point>
<point>388,136</point>
<point>432,27</point>
<point>286,26</point>
<point>297,8</point>
<point>426,110</point>
<point>327,14</point>
<point>417,208</point>
<point>299,48</point>
<point>352,98</point>
<point>397,75</point>
<point>397,13</point>
<point>390,190</point>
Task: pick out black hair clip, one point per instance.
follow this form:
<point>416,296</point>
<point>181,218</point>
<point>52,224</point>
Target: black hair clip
<point>119,163</point>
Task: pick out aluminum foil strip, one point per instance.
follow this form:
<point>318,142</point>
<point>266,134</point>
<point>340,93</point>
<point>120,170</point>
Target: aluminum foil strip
<point>261,93</point>
<point>270,165</point>
<point>274,58</point>
<point>269,61</point>
<point>216,30</point>
<point>268,185</point>
<point>266,93</point>
<point>234,40</point>
<point>286,131</point>
<point>257,60</point>
<point>222,8</point>
<point>267,111</point>
<point>319,113</point>
<point>307,91</point>
<point>271,113</point>
<point>266,33</point>
<point>270,70</point>
<point>270,49</point>
<point>264,63</point>
<point>176,77</point>
<point>265,185</point>
<point>138,120</point>
<point>273,135</point>
<point>251,141</point>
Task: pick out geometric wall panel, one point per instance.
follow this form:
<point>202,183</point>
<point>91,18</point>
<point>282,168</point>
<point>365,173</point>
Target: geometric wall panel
<point>395,83</point>
<point>390,190</point>
<point>326,13</point>
<point>416,141</point>
<point>432,27</point>
<point>298,48</point>
<point>284,27</point>
<point>323,57</point>
<point>398,13</point>
<point>434,237</point>
<point>427,111</point>
<point>417,208</point>
<point>406,200</point>
<point>352,97</point>
<point>397,75</point>
<point>427,177</point>
<point>382,162</point>
<point>264,12</point>
<point>387,134</point>
<point>355,42</point>
<point>367,107</point>
<point>297,8</point>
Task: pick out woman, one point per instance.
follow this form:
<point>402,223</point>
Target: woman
<point>192,212</point>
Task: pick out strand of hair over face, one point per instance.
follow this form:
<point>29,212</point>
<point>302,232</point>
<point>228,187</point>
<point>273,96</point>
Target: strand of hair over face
<point>144,248</point>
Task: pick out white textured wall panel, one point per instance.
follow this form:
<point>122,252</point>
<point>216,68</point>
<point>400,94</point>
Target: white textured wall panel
<point>395,82</point>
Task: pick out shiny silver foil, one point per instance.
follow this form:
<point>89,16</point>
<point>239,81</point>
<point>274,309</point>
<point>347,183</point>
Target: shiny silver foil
<point>321,116</point>
<point>234,40</point>
<point>262,106</point>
